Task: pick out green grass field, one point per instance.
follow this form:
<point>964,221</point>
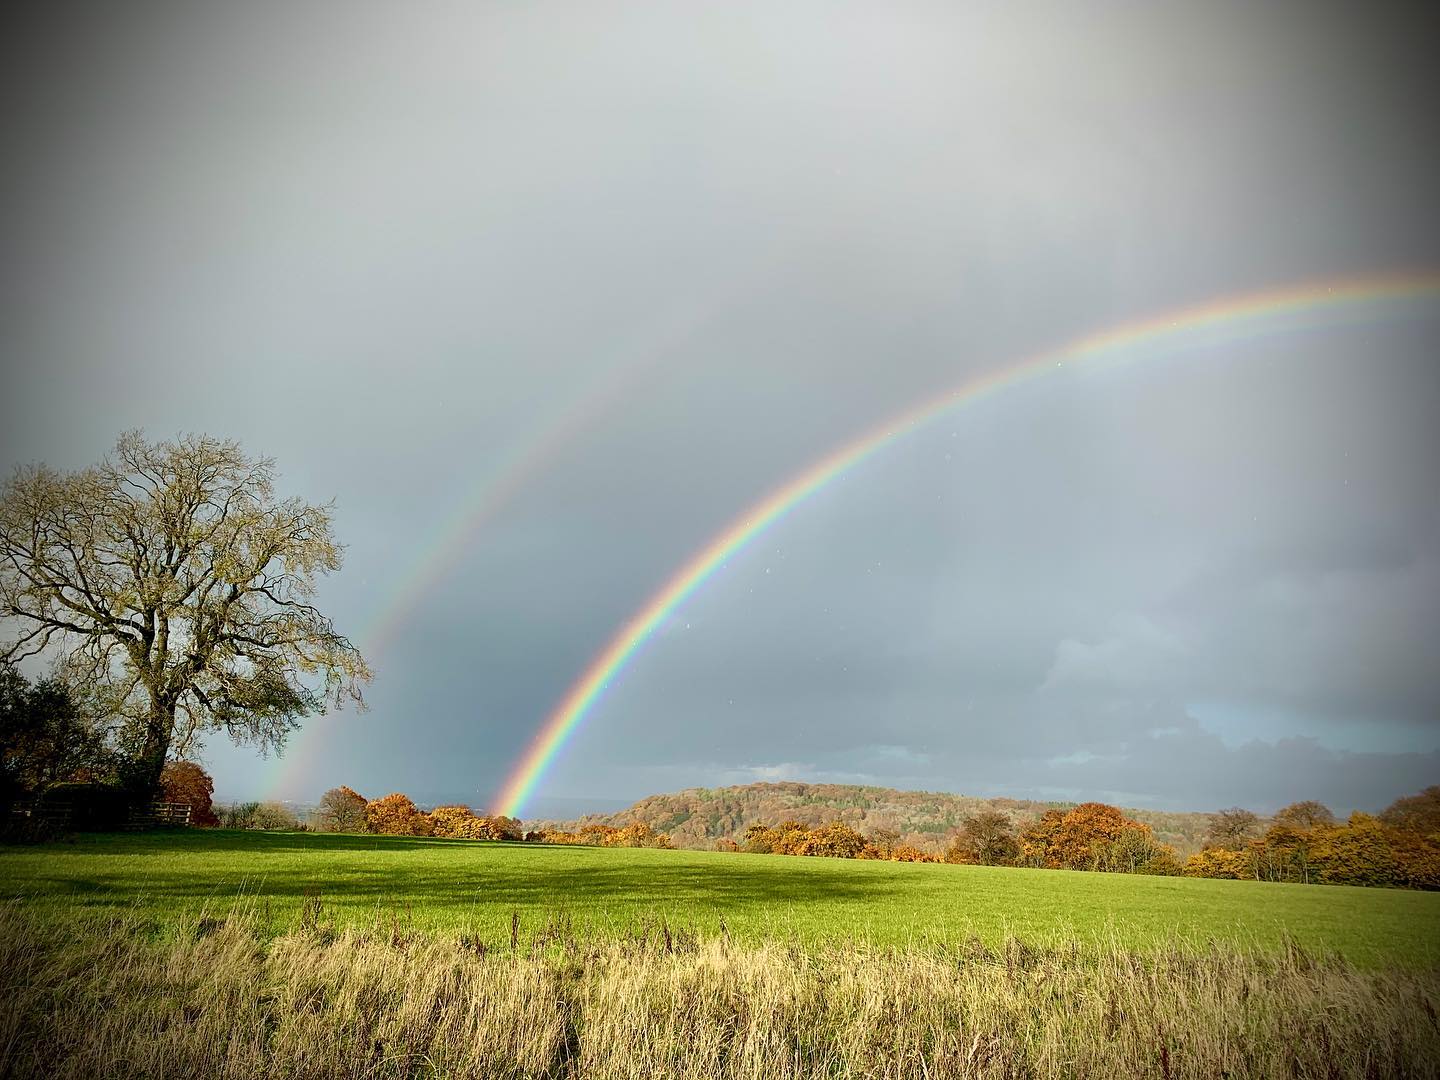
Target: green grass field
<point>474,888</point>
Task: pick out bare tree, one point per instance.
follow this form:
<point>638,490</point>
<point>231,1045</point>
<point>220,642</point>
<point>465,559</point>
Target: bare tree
<point>170,576</point>
<point>1417,813</point>
<point>1304,816</point>
<point>1231,829</point>
<point>988,837</point>
<point>341,809</point>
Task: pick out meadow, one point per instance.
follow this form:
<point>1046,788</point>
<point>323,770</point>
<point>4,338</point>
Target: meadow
<point>483,890</point>
<point>237,954</point>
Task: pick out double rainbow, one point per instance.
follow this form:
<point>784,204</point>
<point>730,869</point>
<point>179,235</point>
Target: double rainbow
<point>433,562</point>
<point>1249,313</point>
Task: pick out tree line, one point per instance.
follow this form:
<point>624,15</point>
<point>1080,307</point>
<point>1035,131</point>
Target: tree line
<point>706,818</point>
<point>345,810</point>
<point>1303,843</point>
<point>1400,847</point>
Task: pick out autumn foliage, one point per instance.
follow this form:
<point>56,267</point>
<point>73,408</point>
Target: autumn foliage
<point>834,839</point>
<point>1301,843</point>
<point>1094,836</point>
<point>1305,844</point>
<point>1418,814</point>
<point>185,782</point>
<point>986,838</point>
<point>461,823</point>
<point>637,834</point>
<point>396,815</point>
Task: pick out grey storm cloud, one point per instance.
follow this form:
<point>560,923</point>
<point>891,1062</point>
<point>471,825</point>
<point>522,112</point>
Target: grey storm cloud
<point>641,262</point>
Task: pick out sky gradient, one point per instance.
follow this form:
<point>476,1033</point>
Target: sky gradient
<point>543,296</point>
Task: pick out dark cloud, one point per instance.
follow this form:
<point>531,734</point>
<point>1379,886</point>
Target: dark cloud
<point>661,259</point>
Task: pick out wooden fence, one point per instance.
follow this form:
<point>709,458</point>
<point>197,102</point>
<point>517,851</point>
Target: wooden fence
<point>56,816</point>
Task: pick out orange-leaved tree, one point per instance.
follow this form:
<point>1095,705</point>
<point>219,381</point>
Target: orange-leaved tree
<point>882,840</point>
<point>1038,843</point>
<point>760,839</point>
<point>185,782</point>
<point>1094,836</point>
<point>1418,856</point>
<point>1084,829</point>
<point>596,833</point>
<point>396,815</point>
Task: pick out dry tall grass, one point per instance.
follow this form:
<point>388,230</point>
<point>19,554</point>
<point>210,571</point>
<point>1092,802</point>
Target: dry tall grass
<point>115,997</point>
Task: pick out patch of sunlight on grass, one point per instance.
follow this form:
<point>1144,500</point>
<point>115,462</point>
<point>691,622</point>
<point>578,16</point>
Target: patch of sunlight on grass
<point>447,885</point>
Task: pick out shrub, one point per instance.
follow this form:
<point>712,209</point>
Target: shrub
<point>835,840</point>
<point>236,815</point>
<point>637,835</point>
<point>760,840</point>
<point>910,853</point>
<point>1214,862</point>
<point>451,822</point>
<point>274,817</point>
<point>461,823</point>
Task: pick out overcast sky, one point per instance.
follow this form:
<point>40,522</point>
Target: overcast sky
<point>630,266</point>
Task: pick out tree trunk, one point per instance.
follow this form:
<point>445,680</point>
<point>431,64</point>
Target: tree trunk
<point>151,761</point>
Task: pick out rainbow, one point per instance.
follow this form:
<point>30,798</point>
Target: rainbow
<point>1247,314</point>
<point>492,491</point>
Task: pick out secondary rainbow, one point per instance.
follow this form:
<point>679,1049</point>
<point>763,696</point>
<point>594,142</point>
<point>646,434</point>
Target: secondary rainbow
<point>1250,312</point>
<point>492,489</point>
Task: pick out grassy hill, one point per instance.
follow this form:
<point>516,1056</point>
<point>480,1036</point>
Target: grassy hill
<point>698,817</point>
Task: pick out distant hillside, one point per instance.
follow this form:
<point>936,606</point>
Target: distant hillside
<point>698,817</point>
